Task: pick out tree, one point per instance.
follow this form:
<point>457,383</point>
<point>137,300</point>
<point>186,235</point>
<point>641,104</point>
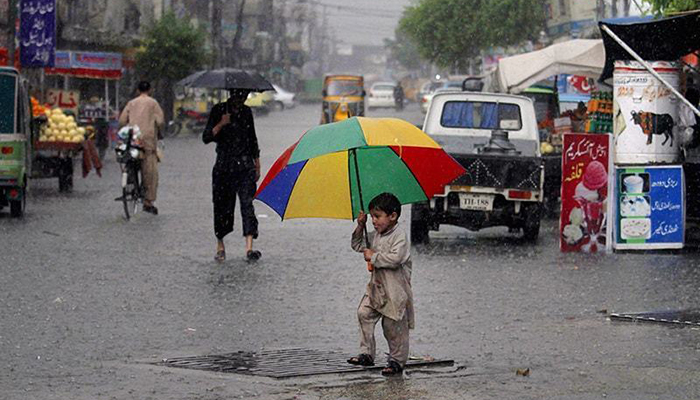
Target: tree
<point>659,7</point>
<point>450,32</point>
<point>172,49</point>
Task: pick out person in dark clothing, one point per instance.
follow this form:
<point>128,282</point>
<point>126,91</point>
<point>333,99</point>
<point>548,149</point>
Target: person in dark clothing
<point>236,171</point>
<point>398,96</point>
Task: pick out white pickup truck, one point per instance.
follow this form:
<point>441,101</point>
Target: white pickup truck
<point>494,136</point>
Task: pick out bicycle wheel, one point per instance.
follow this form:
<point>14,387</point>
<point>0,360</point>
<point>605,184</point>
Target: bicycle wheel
<point>125,194</point>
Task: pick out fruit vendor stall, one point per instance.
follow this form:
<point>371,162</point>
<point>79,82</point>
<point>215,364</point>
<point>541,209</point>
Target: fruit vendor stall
<point>56,140</point>
<point>60,132</point>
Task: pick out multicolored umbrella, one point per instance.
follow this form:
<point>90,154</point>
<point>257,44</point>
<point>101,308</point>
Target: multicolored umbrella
<point>334,170</point>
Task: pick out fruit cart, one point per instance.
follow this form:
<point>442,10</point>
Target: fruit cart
<point>56,140</point>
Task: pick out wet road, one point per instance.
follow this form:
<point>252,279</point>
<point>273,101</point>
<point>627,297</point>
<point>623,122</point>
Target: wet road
<point>88,299</point>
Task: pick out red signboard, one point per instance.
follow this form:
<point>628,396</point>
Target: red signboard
<point>586,169</point>
<point>99,65</point>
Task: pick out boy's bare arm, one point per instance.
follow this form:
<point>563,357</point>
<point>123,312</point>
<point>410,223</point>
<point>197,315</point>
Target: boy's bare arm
<point>395,257</point>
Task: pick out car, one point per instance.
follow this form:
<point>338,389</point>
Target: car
<point>259,103</point>
<point>282,99</point>
<point>381,94</point>
<point>429,88</point>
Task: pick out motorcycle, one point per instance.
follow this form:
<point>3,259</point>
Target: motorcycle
<point>193,121</point>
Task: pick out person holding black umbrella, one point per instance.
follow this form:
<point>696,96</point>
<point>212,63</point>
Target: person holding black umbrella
<point>236,171</point>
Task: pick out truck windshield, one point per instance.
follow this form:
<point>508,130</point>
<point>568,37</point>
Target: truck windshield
<point>8,110</point>
<point>481,115</point>
<point>344,88</point>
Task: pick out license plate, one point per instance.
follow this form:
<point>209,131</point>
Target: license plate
<point>479,202</point>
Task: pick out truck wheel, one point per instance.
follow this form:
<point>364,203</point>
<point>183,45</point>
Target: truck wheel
<point>531,227</point>
<point>419,224</point>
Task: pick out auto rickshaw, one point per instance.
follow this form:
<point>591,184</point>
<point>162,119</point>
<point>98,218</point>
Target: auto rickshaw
<point>343,97</point>
<point>15,140</point>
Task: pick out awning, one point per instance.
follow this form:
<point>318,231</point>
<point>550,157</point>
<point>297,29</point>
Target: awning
<point>666,39</point>
<point>584,57</point>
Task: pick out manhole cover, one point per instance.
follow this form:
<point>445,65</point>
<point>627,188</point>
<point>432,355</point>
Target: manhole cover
<point>682,317</point>
<point>284,363</point>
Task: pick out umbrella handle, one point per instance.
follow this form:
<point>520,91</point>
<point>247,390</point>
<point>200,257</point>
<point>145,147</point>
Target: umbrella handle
<point>370,267</point>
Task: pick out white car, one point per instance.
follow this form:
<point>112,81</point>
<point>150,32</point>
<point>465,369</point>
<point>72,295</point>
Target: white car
<point>282,99</point>
<point>381,94</point>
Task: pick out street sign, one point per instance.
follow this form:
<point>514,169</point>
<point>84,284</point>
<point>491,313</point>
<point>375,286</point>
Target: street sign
<point>37,33</point>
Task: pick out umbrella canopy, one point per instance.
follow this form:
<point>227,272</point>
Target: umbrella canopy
<point>584,57</point>
<point>190,78</point>
<point>228,78</point>
<point>334,170</point>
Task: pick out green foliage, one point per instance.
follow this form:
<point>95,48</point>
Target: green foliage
<point>172,49</point>
<point>665,7</point>
<point>449,32</point>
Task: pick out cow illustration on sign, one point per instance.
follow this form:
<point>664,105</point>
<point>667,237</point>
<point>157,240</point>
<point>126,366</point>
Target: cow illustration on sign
<point>654,124</point>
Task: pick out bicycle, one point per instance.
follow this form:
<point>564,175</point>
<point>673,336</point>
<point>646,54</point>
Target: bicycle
<point>128,157</point>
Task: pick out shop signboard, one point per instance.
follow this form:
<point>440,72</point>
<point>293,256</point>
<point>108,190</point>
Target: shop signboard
<point>63,99</point>
<point>87,64</point>
<point>37,32</point>
<point>650,209</point>
<point>586,178</point>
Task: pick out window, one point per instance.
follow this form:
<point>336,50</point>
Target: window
<point>562,7</point>
<point>132,19</point>
<point>481,115</point>
<point>8,90</point>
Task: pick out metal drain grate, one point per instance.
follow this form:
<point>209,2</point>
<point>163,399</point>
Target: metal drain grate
<point>284,363</point>
<point>683,317</point>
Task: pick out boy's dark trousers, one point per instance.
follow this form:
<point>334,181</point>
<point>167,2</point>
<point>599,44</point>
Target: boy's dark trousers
<point>234,177</point>
<point>395,333</point>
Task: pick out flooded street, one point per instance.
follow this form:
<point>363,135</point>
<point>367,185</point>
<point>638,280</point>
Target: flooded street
<point>88,299</point>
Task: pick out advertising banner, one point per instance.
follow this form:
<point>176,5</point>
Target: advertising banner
<point>37,32</point>
<point>649,207</point>
<point>86,64</point>
<point>586,178</point>
<point>644,113</point>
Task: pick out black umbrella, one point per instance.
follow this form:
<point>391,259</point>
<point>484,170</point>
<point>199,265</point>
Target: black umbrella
<point>230,78</point>
<point>190,78</point>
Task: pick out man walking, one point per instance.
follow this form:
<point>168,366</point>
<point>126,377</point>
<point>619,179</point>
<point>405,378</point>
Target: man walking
<point>145,112</point>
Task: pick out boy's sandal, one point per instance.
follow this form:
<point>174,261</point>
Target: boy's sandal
<point>220,255</point>
<point>253,255</point>
<point>363,359</point>
<point>392,369</point>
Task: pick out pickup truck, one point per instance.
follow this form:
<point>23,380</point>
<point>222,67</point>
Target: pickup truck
<point>495,138</point>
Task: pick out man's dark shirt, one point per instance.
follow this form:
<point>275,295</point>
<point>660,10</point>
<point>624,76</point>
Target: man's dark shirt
<point>236,139</point>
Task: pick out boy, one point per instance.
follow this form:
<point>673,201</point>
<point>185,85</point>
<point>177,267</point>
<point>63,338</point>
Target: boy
<point>388,296</point>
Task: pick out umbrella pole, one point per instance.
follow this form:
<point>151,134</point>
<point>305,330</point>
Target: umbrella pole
<point>362,206</point>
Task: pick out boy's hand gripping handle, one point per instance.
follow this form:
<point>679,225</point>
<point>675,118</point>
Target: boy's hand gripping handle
<point>370,268</point>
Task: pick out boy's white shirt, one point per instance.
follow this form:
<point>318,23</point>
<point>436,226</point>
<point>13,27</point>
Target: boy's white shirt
<point>392,269</point>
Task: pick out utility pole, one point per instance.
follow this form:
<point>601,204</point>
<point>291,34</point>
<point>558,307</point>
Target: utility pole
<point>11,18</point>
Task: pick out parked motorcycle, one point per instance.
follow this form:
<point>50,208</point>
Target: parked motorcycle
<point>193,121</point>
